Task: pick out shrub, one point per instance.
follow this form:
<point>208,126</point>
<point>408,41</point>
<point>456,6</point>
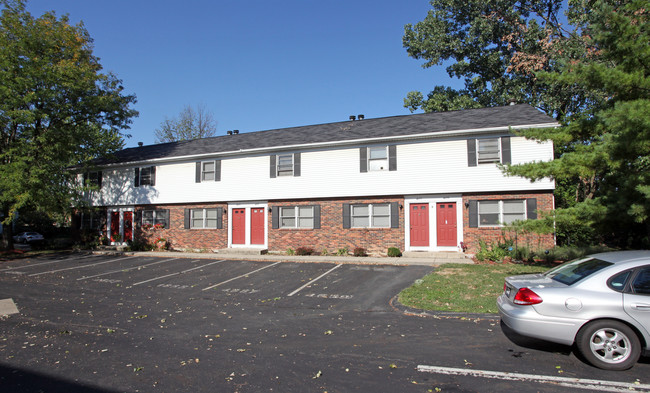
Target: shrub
<point>304,251</point>
<point>324,252</point>
<point>394,252</point>
<point>290,251</point>
<point>360,252</point>
<point>342,252</point>
<point>140,245</point>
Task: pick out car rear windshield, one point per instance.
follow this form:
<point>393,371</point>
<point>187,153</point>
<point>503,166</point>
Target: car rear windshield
<point>574,271</point>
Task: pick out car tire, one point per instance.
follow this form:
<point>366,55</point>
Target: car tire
<point>609,345</point>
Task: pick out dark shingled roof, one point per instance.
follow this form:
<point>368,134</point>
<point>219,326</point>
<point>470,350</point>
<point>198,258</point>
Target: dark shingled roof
<point>395,126</point>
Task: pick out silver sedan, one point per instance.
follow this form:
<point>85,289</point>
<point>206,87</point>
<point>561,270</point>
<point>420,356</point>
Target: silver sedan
<point>600,303</point>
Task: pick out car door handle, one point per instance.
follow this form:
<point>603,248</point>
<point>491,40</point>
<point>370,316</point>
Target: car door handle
<point>641,307</point>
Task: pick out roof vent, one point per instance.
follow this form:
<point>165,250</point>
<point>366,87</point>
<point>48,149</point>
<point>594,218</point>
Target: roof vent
<point>361,117</point>
<point>235,132</point>
<point>140,144</point>
<point>229,132</point>
<point>352,117</point>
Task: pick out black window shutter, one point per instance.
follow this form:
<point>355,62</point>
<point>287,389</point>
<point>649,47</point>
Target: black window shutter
<point>346,215</point>
<point>99,179</point>
<point>187,219</point>
<point>86,175</point>
<point>153,175</point>
<point>197,175</point>
<point>168,224</point>
<point>220,218</point>
<point>394,215</point>
<point>473,214</point>
<point>273,172</point>
<point>506,155</point>
<point>363,159</point>
<point>392,158</point>
<point>471,152</point>
<point>316,216</point>
<point>217,170</point>
<point>275,217</point>
<point>138,218</point>
<point>531,208</point>
<point>296,164</point>
<point>136,182</point>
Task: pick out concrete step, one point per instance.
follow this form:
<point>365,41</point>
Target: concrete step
<point>439,255</point>
<point>243,251</point>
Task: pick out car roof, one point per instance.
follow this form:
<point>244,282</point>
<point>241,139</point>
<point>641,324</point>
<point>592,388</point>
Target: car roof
<point>623,257</point>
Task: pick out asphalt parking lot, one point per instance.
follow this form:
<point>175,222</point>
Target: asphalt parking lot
<point>88,323</point>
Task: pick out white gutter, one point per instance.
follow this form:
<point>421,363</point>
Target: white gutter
<point>437,134</point>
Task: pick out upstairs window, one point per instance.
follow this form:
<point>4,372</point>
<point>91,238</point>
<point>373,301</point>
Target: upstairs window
<point>488,151</point>
<point>93,179</point>
<point>208,171</point>
<point>285,165</point>
<point>145,176</point>
<point>378,158</point>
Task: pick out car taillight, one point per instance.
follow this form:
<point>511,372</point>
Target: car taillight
<point>526,297</point>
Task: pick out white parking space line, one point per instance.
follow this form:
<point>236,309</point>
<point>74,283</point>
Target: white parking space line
<point>577,383</point>
<point>238,277</point>
<point>177,273</point>
<point>79,267</point>
<point>45,263</point>
<point>127,269</point>
<point>314,280</point>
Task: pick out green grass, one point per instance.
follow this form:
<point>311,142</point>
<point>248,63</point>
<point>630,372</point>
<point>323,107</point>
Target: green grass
<point>463,288</point>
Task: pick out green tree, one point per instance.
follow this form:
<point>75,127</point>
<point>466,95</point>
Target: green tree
<point>609,140</point>
<point>192,123</point>
<point>496,47</point>
<point>57,111</point>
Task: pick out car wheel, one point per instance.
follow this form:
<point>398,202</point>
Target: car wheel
<point>608,344</point>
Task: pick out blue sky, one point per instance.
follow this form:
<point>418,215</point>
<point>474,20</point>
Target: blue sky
<point>256,65</point>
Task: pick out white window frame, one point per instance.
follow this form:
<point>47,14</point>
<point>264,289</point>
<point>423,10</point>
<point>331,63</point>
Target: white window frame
<point>154,218</point>
<point>371,215</point>
<point>204,218</point>
<point>279,171</point>
<point>296,217</point>
<point>146,179</point>
<point>374,162</point>
<point>205,172</point>
<point>488,154</point>
<point>501,213</point>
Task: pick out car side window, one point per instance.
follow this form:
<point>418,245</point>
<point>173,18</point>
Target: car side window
<point>617,282</point>
<point>641,284</point>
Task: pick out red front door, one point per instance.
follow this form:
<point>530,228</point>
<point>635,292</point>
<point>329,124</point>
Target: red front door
<point>419,218</point>
<point>446,228</point>
<point>257,225</point>
<point>115,225</point>
<point>238,226</point>
<point>128,226</point>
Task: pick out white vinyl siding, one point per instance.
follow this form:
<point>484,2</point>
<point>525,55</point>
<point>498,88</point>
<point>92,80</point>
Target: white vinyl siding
<point>370,216</point>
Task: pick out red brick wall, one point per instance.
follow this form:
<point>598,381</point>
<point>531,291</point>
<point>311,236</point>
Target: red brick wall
<point>332,236</point>
<point>496,234</point>
<point>181,238</point>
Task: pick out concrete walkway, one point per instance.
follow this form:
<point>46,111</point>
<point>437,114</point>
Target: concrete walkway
<point>420,258</point>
